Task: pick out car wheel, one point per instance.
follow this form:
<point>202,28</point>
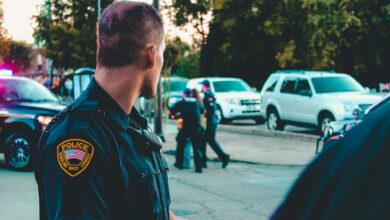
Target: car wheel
<point>325,119</point>
<point>18,151</point>
<point>273,121</point>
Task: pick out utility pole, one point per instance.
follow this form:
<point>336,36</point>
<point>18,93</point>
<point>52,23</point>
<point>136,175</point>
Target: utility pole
<point>99,8</point>
<point>158,117</point>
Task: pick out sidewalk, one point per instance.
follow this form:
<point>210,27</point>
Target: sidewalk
<point>247,147</point>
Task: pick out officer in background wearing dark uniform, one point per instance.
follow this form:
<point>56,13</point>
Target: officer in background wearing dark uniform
<point>209,102</point>
<point>98,159</point>
<point>190,111</point>
<point>350,179</point>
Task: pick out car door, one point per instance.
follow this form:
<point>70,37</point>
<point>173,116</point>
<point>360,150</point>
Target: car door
<point>286,99</point>
<point>305,106</point>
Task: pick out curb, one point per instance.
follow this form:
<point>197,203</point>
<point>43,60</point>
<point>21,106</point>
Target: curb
<point>173,153</point>
<point>282,134</point>
<point>258,131</point>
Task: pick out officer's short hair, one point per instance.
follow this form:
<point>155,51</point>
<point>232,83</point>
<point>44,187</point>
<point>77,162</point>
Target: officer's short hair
<point>125,28</point>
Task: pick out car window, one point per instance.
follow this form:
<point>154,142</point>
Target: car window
<point>336,84</point>
<point>288,85</point>
<point>17,90</point>
<point>270,84</point>
<point>303,87</point>
<point>178,86</point>
<point>174,85</point>
<point>230,86</point>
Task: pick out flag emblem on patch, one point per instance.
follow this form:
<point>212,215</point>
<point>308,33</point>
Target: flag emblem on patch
<point>74,156</point>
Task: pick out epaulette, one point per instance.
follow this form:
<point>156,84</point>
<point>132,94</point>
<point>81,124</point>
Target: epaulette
<point>57,118</point>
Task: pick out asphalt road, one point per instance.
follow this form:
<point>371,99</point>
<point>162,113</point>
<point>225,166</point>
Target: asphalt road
<point>252,186</point>
<point>242,190</point>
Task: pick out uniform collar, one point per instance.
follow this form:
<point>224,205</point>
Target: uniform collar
<point>108,103</point>
<point>138,118</point>
<point>121,117</point>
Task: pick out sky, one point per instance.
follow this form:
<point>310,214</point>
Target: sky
<point>19,23</point>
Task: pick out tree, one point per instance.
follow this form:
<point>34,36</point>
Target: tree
<point>194,12</point>
<point>19,57</point>
<point>244,39</point>
<point>253,38</point>
<point>67,30</point>
<point>4,39</point>
<point>171,55</point>
<point>181,59</point>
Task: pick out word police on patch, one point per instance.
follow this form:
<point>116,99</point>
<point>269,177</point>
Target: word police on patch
<point>74,156</point>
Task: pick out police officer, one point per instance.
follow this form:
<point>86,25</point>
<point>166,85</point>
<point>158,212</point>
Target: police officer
<point>209,102</point>
<point>98,159</point>
<point>190,111</point>
<point>350,179</point>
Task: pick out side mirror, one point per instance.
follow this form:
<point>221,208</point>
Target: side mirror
<point>305,93</point>
<point>254,89</point>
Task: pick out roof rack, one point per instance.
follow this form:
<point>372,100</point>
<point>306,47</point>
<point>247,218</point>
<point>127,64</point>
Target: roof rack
<point>305,71</point>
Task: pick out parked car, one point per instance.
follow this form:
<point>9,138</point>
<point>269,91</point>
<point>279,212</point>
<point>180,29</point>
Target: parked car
<point>172,89</point>
<point>235,98</point>
<point>26,107</point>
<point>312,98</point>
<point>336,130</point>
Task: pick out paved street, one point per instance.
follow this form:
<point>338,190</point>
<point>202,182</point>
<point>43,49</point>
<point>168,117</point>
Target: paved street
<point>241,191</point>
<point>262,171</point>
<point>254,148</point>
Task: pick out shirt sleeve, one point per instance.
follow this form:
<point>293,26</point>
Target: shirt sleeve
<point>175,108</point>
<point>72,186</point>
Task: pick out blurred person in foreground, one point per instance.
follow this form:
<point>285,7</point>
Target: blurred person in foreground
<point>209,102</point>
<point>190,111</point>
<point>98,159</point>
<point>350,179</point>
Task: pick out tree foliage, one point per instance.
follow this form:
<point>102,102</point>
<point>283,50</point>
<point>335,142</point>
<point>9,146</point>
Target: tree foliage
<point>252,38</point>
<point>19,56</point>
<point>67,29</point>
<point>181,59</point>
<point>193,12</point>
<point>4,39</point>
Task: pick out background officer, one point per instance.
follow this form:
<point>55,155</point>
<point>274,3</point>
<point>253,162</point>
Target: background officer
<point>190,111</point>
<point>98,159</point>
<point>209,102</point>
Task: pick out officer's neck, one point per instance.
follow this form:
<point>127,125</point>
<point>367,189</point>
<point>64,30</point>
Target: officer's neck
<point>122,84</point>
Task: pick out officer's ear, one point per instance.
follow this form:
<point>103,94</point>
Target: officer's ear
<point>151,55</point>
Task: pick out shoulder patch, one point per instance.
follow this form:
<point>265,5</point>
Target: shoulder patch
<point>74,156</point>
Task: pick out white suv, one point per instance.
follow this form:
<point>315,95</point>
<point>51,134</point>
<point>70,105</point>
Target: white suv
<point>311,98</point>
<point>235,98</point>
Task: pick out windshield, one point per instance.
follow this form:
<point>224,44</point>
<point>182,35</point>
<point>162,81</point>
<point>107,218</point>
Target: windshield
<point>178,86</point>
<point>230,86</point>
<point>174,86</point>
<point>18,90</point>
<point>336,84</point>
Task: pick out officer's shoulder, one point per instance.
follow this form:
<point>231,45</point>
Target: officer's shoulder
<point>190,99</point>
<point>209,93</point>
<point>76,117</point>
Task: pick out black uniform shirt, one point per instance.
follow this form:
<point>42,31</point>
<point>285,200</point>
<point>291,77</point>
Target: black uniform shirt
<point>350,179</point>
<point>210,104</point>
<point>190,111</point>
<point>92,164</point>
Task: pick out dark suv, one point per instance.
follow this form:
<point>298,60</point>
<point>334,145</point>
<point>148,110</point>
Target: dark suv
<point>26,107</point>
